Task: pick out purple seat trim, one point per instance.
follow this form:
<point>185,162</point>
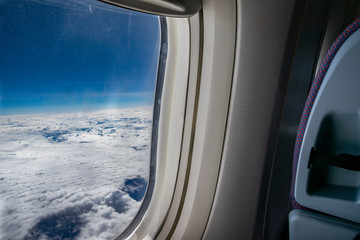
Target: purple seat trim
<point>311,98</point>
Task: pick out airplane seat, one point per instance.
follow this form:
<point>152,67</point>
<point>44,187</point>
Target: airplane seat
<point>325,190</point>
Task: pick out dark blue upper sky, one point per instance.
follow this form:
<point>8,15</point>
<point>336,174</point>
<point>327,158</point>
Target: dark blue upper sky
<point>57,54</point>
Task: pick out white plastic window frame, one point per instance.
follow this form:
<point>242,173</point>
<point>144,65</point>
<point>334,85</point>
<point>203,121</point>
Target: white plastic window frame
<point>171,122</point>
<point>215,31</point>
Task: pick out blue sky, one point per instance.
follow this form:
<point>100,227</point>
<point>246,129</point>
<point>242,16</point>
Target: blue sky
<point>58,55</point>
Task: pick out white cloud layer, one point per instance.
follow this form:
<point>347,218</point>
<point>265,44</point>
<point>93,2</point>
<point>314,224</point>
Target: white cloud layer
<point>74,175</point>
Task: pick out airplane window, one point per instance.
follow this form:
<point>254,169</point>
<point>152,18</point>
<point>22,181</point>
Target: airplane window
<point>77,81</point>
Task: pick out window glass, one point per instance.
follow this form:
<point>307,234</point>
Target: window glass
<point>77,85</point>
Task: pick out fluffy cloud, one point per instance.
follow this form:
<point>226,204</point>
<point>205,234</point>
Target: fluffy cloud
<point>75,175</point>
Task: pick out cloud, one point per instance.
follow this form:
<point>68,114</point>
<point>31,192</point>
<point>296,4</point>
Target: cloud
<point>61,179</point>
<point>65,224</point>
<point>55,136</point>
<point>117,201</point>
